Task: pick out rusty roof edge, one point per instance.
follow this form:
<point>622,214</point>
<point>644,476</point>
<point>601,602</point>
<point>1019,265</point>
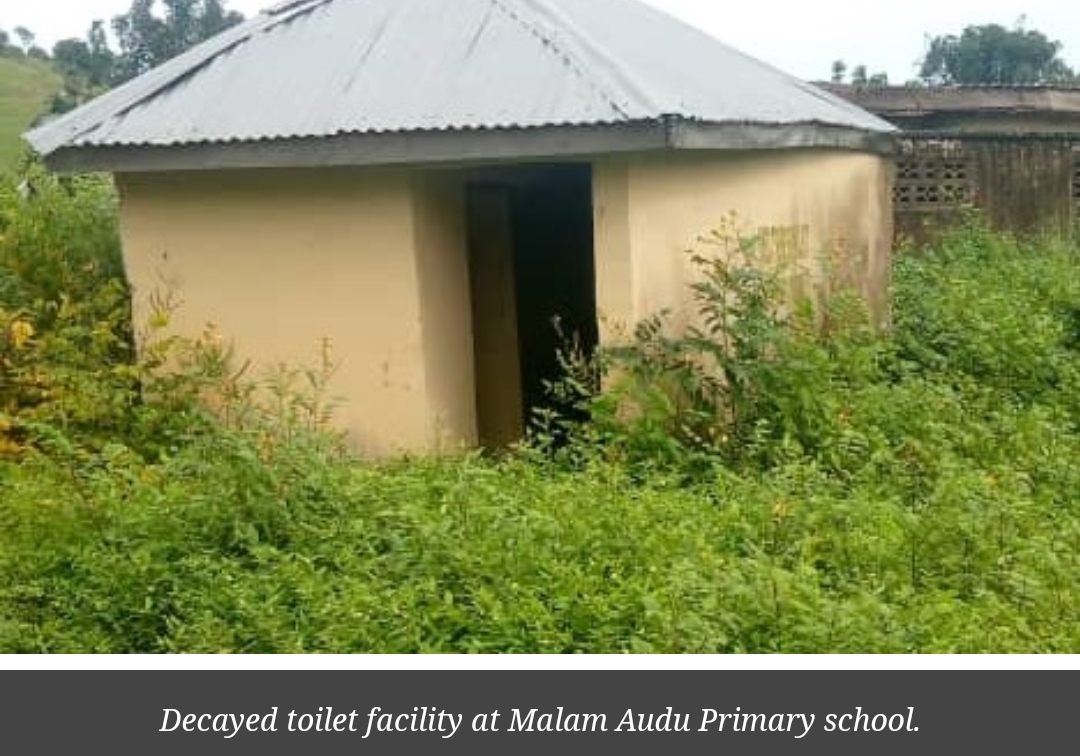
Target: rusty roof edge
<point>900,101</point>
<point>994,135</point>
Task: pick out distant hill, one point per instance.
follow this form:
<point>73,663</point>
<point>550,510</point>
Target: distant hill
<point>26,85</point>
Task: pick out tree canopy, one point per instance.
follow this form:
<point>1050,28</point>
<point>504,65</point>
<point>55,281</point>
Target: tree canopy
<point>90,60</point>
<point>150,33</point>
<point>148,38</point>
<point>992,54</point>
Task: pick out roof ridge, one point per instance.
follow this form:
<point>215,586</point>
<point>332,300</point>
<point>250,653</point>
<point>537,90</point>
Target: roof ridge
<point>543,14</point>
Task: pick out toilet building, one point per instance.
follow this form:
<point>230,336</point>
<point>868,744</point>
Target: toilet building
<point>443,189</point>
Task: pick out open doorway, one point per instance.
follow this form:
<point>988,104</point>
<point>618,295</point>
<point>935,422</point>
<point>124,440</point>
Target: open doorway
<point>533,283</point>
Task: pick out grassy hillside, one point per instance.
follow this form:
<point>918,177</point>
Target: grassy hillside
<point>25,88</point>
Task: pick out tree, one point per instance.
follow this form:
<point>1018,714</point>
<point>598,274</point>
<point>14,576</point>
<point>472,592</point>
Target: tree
<point>7,48</point>
<point>87,62</point>
<point>26,37</point>
<point>87,67</point>
<point>992,54</point>
<point>148,39</point>
<point>839,71</point>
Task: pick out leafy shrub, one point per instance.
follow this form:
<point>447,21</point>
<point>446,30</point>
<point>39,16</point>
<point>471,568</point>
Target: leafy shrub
<point>1005,317</point>
<point>752,379</point>
<point>58,239</point>
<point>65,329</point>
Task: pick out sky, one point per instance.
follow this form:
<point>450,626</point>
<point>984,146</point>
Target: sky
<point>802,37</point>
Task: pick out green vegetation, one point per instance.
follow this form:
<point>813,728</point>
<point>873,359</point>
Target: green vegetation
<point>981,55</point>
<point>26,87</point>
<point>840,491</point>
<point>992,54</point>
<point>34,82</point>
<point>150,33</point>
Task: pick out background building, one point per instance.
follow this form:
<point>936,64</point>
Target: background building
<point>1013,152</point>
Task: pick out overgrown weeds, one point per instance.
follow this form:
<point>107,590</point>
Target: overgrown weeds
<point>757,483</point>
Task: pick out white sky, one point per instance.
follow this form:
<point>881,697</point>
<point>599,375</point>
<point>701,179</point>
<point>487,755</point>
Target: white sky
<point>802,37</point>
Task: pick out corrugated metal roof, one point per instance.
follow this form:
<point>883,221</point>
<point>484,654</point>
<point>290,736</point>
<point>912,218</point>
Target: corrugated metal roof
<point>320,68</point>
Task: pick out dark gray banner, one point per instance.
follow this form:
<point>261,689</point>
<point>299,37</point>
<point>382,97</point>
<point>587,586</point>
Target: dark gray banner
<point>533,712</point>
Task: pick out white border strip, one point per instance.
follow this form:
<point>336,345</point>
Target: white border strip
<point>539,663</point>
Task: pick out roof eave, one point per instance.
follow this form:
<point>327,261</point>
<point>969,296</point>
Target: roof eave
<point>465,146</point>
<point>694,135</point>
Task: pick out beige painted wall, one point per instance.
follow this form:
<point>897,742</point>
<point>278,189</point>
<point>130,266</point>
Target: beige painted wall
<point>377,261</point>
<point>445,308</point>
<point>279,260</point>
<point>650,209</point>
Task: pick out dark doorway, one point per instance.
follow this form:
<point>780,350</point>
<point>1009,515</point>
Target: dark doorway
<point>534,288</point>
